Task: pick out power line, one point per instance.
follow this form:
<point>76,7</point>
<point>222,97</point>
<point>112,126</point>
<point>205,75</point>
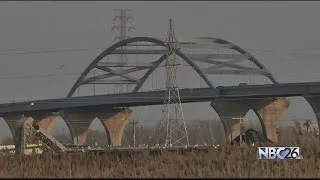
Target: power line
<point>264,51</point>
<point>40,76</point>
<point>48,51</point>
<point>286,50</point>
<point>69,74</point>
<point>20,76</point>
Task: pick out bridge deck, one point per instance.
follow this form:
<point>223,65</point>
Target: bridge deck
<point>155,97</point>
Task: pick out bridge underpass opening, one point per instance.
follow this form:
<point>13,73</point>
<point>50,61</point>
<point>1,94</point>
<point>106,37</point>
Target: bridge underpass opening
<point>61,131</point>
<point>250,122</point>
<point>270,112</point>
<point>199,118</point>
<point>6,137</point>
<point>97,135</point>
<point>298,114</point>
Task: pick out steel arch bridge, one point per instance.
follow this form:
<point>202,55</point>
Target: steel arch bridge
<point>216,67</point>
<point>216,63</point>
<point>210,59</point>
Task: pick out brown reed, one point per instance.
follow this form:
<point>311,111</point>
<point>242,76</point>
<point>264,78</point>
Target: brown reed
<point>226,162</point>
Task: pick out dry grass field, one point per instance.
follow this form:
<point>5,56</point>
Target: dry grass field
<point>233,162</point>
<point>226,162</point>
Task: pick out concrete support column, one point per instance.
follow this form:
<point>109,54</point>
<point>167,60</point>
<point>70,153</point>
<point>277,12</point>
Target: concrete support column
<point>228,109</point>
<point>11,120</point>
<point>21,133</point>
<point>114,123</point>
<point>45,121</point>
<point>314,102</point>
<point>78,123</point>
<point>269,111</point>
<point>272,113</point>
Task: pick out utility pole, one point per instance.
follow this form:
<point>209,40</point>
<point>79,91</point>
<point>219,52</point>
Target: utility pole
<point>172,114</point>
<point>231,130</point>
<point>94,85</point>
<point>134,131</point>
<point>122,24</point>
<point>241,126</point>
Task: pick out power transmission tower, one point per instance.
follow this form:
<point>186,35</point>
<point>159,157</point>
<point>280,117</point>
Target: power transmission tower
<point>122,24</point>
<point>172,130</point>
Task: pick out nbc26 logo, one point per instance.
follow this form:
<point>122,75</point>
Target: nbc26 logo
<point>278,153</point>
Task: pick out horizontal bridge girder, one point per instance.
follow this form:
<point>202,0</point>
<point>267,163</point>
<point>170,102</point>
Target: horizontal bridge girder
<point>127,51</point>
<point>122,73</point>
<point>199,43</point>
<point>205,45</point>
<point>124,64</point>
<point>201,57</point>
<point>140,44</point>
<point>156,97</point>
<point>237,72</point>
<point>113,82</point>
<point>239,69</point>
<point>104,76</point>
<point>226,64</point>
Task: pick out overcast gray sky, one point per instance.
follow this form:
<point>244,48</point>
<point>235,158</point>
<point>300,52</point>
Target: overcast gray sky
<point>284,36</point>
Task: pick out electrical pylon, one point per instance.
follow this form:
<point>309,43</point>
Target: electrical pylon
<point>172,130</point>
<point>122,24</point>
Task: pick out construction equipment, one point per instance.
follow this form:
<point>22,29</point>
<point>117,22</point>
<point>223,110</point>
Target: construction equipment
<point>28,131</point>
<point>254,137</point>
<point>50,142</point>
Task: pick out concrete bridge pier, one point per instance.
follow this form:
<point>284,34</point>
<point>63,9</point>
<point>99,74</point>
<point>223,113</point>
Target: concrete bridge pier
<point>269,111</point>
<point>114,123</point>
<point>20,130</point>
<point>78,123</point>
<point>45,120</point>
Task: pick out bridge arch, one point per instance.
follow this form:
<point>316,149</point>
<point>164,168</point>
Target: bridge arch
<point>251,58</point>
<point>148,73</point>
<point>262,70</point>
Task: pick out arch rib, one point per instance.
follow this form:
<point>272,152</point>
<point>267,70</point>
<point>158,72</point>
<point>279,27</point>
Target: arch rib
<point>158,62</point>
<point>149,72</point>
<point>242,51</point>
